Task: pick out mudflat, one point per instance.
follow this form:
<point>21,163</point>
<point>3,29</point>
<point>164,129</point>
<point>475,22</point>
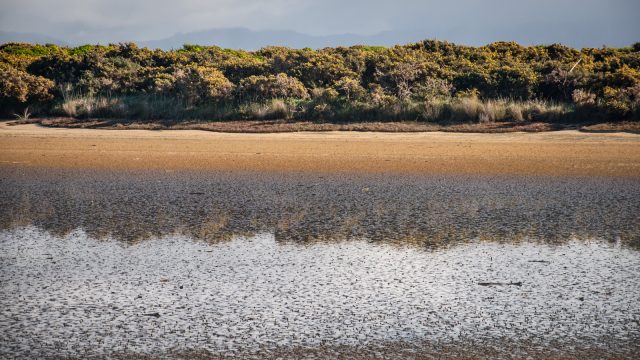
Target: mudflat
<point>358,266</point>
<point>559,153</point>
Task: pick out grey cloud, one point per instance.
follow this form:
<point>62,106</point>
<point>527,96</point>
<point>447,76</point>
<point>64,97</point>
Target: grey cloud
<point>575,22</point>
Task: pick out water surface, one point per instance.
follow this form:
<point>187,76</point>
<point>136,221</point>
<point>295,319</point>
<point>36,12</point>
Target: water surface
<point>79,296</point>
<point>100,264</point>
<point>424,210</point>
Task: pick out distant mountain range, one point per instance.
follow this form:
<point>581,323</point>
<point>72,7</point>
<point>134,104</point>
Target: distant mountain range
<point>242,38</point>
<point>6,36</point>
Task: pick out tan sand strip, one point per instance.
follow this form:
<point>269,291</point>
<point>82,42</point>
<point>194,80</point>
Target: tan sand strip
<point>548,153</point>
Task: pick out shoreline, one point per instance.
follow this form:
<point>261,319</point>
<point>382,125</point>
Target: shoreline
<point>560,153</point>
<point>282,126</point>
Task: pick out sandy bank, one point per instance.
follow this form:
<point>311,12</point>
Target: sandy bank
<point>549,153</point>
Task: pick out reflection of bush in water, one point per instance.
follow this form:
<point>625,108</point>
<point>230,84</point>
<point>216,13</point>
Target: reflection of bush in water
<point>426,212</point>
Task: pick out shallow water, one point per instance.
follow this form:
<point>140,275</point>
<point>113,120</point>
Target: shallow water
<point>98,264</point>
<point>78,296</point>
<point>427,211</point>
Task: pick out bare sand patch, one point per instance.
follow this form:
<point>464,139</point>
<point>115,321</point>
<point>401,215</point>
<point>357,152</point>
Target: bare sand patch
<point>564,152</point>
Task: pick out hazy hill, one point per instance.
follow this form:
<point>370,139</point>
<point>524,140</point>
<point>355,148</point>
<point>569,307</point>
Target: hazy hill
<point>242,38</point>
<point>6,36</point>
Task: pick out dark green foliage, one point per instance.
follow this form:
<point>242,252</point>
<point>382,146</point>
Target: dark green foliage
<point>19,89</point>
<point>424,80</point>
<point>260,88</point>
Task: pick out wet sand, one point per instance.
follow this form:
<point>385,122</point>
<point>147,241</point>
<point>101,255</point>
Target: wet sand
<point>551,153</point>
<point>78,297</point>
<point>198,245</point>
<point>426,211</point>
<point>139,264</point>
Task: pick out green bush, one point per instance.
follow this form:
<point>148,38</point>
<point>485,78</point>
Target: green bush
<point>199,84</point>
<point>19,89</point>
<point>281,86</point>
<point>429,80</point>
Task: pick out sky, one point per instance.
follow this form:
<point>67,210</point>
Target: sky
<point>474,22</point>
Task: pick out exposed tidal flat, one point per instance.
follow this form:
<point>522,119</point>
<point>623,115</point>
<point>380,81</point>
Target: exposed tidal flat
<point>75,296</point>
<point>210,264</point>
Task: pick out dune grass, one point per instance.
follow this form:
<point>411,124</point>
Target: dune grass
<point>439,110</point>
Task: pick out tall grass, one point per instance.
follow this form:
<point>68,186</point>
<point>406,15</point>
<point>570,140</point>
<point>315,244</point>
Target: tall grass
<point>150,107</point>
<point>476,110</point>
<point>275,109</point>
<point>454,110</point>
<point>90,106</point>
<point>439,110</point>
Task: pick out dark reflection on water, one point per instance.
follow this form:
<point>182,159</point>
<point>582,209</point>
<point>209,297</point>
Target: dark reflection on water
<point>423,210</point>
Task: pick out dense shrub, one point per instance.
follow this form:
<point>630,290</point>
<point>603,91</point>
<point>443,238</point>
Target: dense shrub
<point>515,82</point>
<point>198,84</point>
<point>18,89</point>
<point>272,87</point>
<point>429,80</point>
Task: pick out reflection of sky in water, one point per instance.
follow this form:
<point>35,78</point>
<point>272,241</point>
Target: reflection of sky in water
<point>243,262</point>
<point>425,211</point>
<point>75,295</point>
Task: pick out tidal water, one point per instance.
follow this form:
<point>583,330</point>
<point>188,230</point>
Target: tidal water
<point>209,265</point>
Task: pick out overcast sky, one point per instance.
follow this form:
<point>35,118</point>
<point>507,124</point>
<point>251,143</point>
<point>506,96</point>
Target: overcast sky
<point>574,22</point>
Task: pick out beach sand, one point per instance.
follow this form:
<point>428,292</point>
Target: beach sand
<point>560,153</point>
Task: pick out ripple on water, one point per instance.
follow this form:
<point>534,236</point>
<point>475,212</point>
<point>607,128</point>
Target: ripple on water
<point>78,296</point>
<point>426,211</point>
